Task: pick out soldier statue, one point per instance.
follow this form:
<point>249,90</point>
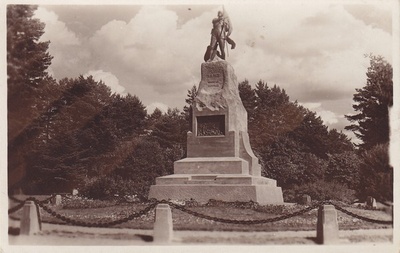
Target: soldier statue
<point>220,33</point>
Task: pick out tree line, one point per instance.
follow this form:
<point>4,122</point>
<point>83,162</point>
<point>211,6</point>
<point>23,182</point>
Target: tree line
<point>76,133</point>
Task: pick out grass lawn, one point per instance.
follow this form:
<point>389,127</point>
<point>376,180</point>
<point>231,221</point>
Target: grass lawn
<point>105,211</point>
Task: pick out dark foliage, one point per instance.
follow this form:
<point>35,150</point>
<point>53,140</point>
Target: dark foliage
<point>372,102</point>
<point>320,190</point>
<point>27,62</point>
<point>376,174</point>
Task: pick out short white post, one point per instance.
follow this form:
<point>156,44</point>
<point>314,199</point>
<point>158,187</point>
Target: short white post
<point>29,221</point>
<point>57,200</point>
<point>163,226</point>
<point>327,225</point>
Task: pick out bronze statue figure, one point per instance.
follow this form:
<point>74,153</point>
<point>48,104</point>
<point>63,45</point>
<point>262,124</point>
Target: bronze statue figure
<point>222,29</point>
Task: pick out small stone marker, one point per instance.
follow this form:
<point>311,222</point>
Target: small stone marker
<point>163,229</point>
<point>327,225</point>
<point>74,192</point>
<point>371,202</point>
<point>29,221</point>
<point>305,200</point>
<point>57,200</point>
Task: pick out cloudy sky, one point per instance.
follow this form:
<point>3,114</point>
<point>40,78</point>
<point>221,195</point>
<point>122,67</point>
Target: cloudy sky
<point>313,51</point>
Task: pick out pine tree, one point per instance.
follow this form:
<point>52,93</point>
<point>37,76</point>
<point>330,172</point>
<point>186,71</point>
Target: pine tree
<point>188,108</point>
<point>372,102</point>
<point>27,62</point>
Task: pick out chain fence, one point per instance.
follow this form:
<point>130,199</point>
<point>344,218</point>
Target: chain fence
<point>354,215</point>
<point>98,224</point>
<point>245,222</point>
<point>182,208</point>
<point>16,208</point>
<point>16,200</point>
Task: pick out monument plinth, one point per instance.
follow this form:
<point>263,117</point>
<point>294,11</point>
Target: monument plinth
<point>220,163</point>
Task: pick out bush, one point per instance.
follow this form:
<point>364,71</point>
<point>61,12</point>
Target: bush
<point>270,209</point>
<point>344,168</point>
<point>108,187</point>
<point>376,174</point>
<point>83,203</point>
<point>133,176</point>
<point>320,190</point>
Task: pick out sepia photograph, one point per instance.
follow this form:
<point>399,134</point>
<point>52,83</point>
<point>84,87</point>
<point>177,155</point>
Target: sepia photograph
<point>191,126</point>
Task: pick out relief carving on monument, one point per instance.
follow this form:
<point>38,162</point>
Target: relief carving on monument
<point>211,125</point>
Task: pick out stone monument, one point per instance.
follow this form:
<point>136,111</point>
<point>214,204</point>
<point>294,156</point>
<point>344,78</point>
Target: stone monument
<point>220,163</point>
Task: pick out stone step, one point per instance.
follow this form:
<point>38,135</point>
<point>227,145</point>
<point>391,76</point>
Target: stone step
<point>214,179</point>
<point>211,165</point>
<point>203,177</point>
<point>172,179</point>
<point>263,194</point>
<point>248,180</point>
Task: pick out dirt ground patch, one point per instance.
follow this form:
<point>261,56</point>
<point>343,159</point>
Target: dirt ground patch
<point>52,234</point>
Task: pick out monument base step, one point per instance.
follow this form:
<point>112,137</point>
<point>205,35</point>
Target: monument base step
<point>211,165</point>
<point>217,179</point>
<point>202,193</point>
<point>224,187</point>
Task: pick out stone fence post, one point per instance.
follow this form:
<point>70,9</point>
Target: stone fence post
<point>57,200</point>
<point>327,225</point>
<point>30,220</point>
<point>305,200</point>
<point>163,226</point>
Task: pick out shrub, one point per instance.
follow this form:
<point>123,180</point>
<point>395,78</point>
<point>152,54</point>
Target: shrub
<point>344,168</point>
<point>108,187</point>
<point>376,174</point>
<point>133,176</point>
<point>83,203</point>
<point>320,190</point>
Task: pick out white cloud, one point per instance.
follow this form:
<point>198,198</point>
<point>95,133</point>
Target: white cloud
<point>162,107</point>
<point>311,106</point>
<point>55,30</point>
<point>152,54</point>
<point>68,51</point>
<point>328,117</point>
<point>316,54</point>
<point>108,79</point>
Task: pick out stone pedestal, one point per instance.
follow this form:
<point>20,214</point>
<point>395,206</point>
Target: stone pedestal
<point>30,220</point>
<point>327,225</point>
<point>220,163</point>
<point>163,226</point>
<point>305,200</point>
<point>371,202</point>
<point>57,200</point>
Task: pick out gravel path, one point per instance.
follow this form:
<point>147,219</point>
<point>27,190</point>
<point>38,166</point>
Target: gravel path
<point>72,235</point>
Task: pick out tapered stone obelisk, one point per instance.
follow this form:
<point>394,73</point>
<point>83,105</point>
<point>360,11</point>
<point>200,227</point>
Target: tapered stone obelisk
<point>220,163</point>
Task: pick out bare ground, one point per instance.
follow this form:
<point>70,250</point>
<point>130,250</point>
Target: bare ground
<point>52,234</point>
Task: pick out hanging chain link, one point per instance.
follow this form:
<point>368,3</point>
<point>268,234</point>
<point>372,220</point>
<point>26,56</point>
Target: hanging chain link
<point>97,224</point>
<point>16,208</point>
<point>361,217</point>
<point>153,204</point>
<point>245,222</point>
<point>16,200</point>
